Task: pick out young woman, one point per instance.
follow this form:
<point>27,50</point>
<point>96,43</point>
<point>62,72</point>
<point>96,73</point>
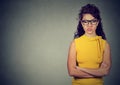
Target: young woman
<point>89,58</point>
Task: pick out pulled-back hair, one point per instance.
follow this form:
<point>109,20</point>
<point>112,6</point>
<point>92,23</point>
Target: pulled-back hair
<point>94,11</point>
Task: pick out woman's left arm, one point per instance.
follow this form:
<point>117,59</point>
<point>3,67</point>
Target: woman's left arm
<point>105,66</point>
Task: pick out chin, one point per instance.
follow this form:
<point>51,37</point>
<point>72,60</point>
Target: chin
<point>90,32</point>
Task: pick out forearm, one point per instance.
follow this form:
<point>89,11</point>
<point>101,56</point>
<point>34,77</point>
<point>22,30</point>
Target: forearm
<point>95,72</point>
<point>80,74</point>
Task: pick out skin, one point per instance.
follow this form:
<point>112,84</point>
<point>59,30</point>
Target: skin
<point>89,29</point>
<point>79,72</point>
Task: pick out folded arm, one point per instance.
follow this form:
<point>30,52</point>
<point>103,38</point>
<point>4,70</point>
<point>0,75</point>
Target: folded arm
<point>71,64</point>
<point>105,66</point>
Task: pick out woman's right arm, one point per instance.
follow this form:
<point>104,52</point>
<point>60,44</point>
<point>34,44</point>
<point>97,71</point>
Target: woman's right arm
<point>71,64</point>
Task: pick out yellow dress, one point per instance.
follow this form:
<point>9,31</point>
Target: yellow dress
<point>89,55</point>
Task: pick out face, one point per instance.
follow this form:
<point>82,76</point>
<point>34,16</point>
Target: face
<point>89,24</point>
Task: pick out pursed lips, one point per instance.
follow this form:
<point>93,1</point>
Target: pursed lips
<point>89,29</point>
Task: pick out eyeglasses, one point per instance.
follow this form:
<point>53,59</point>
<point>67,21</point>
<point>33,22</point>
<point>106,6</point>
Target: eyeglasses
<point>86,22</point>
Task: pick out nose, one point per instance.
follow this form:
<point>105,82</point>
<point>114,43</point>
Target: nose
<point>89,24</point>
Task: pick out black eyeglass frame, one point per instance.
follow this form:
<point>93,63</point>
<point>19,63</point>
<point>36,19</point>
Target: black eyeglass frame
<point>93,22</point>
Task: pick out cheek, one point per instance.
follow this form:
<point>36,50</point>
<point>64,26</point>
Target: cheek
<point>95,27</point>
<point>84,27</point>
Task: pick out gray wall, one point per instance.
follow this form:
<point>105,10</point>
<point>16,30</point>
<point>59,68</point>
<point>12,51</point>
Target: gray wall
<point>35,37</point>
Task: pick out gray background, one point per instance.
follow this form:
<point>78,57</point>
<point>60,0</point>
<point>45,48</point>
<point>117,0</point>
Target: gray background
<point>35,36</point>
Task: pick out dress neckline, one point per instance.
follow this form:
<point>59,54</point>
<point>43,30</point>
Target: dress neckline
<point>92,38</point>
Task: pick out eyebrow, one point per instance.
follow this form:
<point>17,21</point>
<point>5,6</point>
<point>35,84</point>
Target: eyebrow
<point>90,20</point>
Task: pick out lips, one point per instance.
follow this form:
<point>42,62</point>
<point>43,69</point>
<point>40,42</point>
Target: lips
<point>89,29</point>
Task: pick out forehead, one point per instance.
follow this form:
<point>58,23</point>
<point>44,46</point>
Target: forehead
<point>87,17</point>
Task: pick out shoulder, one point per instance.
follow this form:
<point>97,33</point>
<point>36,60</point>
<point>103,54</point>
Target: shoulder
<point>72,44</point>
<point>72,47</point>
<point>79,38</point>
<point>107,45</point>
<point>104,42</point>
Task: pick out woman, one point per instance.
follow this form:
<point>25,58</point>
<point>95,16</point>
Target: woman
<point>89,58</point>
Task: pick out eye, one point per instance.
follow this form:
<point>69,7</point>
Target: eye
<point>84,21</point>
<point>94,21</point>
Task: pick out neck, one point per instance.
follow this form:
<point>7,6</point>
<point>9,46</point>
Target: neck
<point>90,35</point>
